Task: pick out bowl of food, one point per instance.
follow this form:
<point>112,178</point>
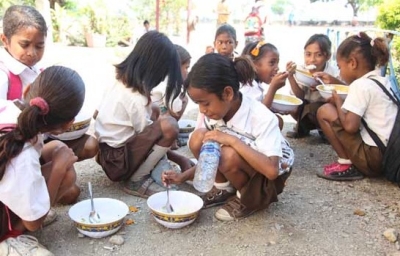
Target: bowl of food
<point>186,125</point>
<point>78,128</point>
<point>186,207</point>
<point>304,77</point>
<point>285,103</point>
<point>326,90</point>
<point>111,211</point>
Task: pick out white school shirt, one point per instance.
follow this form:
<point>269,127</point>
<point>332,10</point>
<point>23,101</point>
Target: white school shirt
<point>257,90</point>
<point>122,113</point>
<point>367,100</point>
<point>25,73</point>
<point>261,134</point>
<point>315,96</point>
<point>23,188</point>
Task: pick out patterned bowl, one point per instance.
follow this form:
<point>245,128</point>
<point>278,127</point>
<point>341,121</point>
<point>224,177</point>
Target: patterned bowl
<point>78,128</point>
<point>112,213</point>
<point>326,90</point>
<point>285,103</point>
<point>186,208</point>
<point>186,126</point>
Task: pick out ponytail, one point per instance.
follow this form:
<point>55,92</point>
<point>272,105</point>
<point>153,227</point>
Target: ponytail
<point>245,69</point>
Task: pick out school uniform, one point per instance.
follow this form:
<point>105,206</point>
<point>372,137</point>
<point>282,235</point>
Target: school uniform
<point>367,100</point>
<point>25,73</point>
<point>312,102</point>
<point>23,189</point>
<point>264,136</point>
<point>125,132</point>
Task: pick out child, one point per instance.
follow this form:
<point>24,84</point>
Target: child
<point>255,158</point>
<point>18,63</point>
<point>131,144</point>
<point>358,57</point>
<point>317,51</point>
<point>225,41</point>
<point>34,177</point>
<point>265,57</point>
<point>24,39</point>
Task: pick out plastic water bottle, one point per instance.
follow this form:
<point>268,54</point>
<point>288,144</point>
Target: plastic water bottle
<point>207,166</point>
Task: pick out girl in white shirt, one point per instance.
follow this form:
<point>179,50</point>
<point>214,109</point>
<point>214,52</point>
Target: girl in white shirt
<point>24,39</point>
<point>255,158</point>
<point>265,57</point>
<point>317,52</point>
<point>132,140</point>
<point>33,176</point>
<point>358,57</point>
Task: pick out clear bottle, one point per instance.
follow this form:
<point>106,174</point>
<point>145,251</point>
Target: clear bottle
<point>207,166</point>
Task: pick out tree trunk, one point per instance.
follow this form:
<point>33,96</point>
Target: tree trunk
<point>43,6</point>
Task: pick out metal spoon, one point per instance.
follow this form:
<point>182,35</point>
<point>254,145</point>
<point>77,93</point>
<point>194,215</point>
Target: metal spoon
<point>320,80</point>
<point>168,206</point>
<point>94,217</point>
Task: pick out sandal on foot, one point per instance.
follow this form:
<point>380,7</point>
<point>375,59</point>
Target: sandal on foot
<point>340,172</point>
<point>142,188</point>
<point>216,197</point>
<point>233,210</point>
<point>50,217</point>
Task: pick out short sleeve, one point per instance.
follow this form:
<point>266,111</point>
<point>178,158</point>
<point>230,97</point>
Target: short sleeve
<point>358,98</point>
<point>23,189</point>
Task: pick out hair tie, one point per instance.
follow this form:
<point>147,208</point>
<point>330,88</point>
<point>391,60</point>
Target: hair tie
<point>256,49</point>
<point>41,104</point>
<point>372,42</point>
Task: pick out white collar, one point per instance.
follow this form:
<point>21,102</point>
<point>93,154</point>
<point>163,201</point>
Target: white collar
<point>13,65</point>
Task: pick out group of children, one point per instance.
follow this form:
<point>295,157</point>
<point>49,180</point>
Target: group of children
<point>133,136</point>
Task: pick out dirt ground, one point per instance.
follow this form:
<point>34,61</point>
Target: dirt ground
<point>313,216</point>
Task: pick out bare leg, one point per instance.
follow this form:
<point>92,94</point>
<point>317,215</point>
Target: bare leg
<point>326,115</point>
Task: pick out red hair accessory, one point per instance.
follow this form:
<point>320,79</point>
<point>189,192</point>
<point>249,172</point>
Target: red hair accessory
<point>41,104</point>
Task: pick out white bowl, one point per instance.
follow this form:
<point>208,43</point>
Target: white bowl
<point>326,93</point>
<point>186,125</point>
<point>305,77</point>
<point>186,208</point>
<point>78,128</point>
<point>285,103</point>
<point>112,213</point>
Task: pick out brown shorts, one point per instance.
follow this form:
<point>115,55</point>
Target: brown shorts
<point>260,192</point>
<point>367,159</point>
<point>121,163</point>
<point>76,145</point>
<point>308,115</point>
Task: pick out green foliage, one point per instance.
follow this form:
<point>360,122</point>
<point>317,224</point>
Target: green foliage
<point>389,15</point>
<point>279,6</point>
<point>357,4</point>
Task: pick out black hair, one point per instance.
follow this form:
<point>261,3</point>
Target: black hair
<point>64,92</point>
<point>263,49</point>
<point>19,17</point>
<point>153,58</point>
<point>213,72</point>
<point>184,55</point>
<point>228,29</point>
<point>323,42</point>
<point>146,22</point>
<point>373,51</point>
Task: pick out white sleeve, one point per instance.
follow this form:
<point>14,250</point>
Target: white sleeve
<point>358,98</point>
<point>3,85</point>
<point>268,136</point>
<point>23,188</point>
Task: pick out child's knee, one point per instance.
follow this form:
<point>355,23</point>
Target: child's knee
<point>169,127</point>
<point>229,160</point>
<point>196,140</point>
<point>91,148</point>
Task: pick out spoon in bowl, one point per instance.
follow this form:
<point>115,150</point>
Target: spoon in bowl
<point>94,217</point>
<point>168,206</point>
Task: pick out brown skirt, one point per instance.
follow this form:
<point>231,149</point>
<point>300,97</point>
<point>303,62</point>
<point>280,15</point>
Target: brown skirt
<point>121,163</point>
<point>260,192</point>
<point>307,118</point>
